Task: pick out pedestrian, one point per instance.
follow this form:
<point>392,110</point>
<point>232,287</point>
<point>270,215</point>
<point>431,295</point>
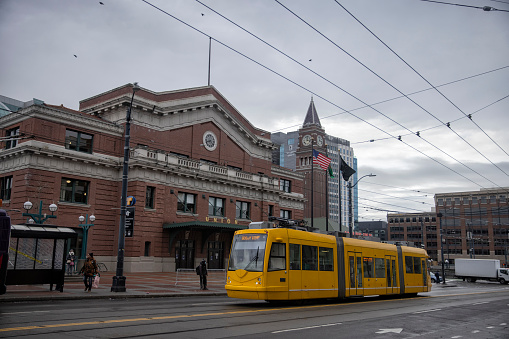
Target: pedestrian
<point>202,272</point>
<point>438,277</point>
<point>89,270</point>
<point>71,262</point>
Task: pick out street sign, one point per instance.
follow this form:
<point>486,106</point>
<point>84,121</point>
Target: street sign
<point>129,222</point>
<point>131,201</point>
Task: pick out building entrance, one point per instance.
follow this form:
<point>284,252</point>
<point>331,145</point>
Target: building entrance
<point>184,254</point>
<point>215,254</point>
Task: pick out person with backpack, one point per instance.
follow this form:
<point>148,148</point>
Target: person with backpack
<point>89,271</point>
<point>201,270</point>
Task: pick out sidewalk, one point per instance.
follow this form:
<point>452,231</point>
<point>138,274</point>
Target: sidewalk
<point>138,285</point>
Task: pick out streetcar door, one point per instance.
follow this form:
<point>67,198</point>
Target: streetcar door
<point>277,277</point>
<point>390,268</point>
<point>424,276</point>
<point>355,274</point>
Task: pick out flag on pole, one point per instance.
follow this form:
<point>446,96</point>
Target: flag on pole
<point>346,170</point>
<point>330,172</point>
<point>321,160</point>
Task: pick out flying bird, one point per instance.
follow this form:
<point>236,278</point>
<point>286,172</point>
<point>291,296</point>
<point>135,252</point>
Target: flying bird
<point>75,56</point>
<point>202,14</point>
<point>101,3</point>
<point>310,59</point>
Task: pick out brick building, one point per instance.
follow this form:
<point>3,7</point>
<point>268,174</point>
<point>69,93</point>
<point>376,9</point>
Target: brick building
<point>198,170</point>
<point>475,224</point>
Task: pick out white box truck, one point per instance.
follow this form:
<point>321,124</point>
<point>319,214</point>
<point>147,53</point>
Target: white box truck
<point>482,269</point>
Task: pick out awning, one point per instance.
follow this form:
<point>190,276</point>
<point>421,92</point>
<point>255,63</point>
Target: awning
<point>207,228</point>
<point>207,224</point>
<point>42,231</point>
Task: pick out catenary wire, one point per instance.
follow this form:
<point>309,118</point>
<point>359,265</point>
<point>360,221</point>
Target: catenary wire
<point>484,8</point>
<point>351,95</point>
<point>389,84</point>
<point>419,74</point>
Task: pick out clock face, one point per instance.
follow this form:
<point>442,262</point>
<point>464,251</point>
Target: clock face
<point>319,140</point>
<point>306,140</point>
<point>209,141</point>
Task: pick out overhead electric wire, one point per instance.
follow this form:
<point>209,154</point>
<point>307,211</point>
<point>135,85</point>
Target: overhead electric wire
<point>402,96</point>
<point>351,95</point>
<point>430,128</point>
<point>388,83</point>
<point>484,8</point>
<point>420,75</point>
<point>392,196</point>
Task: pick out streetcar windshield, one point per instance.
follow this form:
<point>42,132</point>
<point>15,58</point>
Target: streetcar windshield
<point>247,253</point>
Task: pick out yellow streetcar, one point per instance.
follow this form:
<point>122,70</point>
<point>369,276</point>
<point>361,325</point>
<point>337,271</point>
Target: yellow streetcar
<point>287,261</point>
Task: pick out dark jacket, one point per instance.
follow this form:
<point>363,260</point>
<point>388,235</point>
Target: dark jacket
<point>90,267</point>
<point>203,268</point>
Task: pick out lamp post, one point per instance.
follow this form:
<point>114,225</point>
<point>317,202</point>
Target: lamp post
<point>85,228</point>
<point>350,187</point>
<point>439,215</point>
<point>118,284</point>
<point>39,218</point>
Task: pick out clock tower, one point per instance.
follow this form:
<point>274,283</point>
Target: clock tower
<point>312,137</point>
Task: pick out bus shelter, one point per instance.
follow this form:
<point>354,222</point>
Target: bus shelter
<point>37,255</point>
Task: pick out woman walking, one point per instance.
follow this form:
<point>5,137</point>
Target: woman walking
<point>89,270</point>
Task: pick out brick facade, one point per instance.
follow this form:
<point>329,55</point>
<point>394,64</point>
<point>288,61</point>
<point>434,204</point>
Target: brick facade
<point>167,156</point>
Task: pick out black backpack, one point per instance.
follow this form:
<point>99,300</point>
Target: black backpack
<point>198,270</point>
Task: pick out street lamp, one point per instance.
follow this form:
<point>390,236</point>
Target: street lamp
<point>39,218</point>
<point>118,284</point>
<point>85,226</point>
<point>439,215</point>
<point>350,187</point>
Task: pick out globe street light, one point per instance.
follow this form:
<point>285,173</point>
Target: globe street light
<point>85,226</point>
<point>39,218</point>
<point>118,284</point>
<point>350,187</point>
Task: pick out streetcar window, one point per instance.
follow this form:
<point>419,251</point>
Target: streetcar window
<point>368,268</point>
<point>417,265</point>
<point>409,264</point>
<point>389,278</point>
<point>379,268</point>
<point>309,258</point>
<point>294,256</point>
<point>277,258</point>
<point>248,251</point>
<point>394,280</point>
<point>352,272</point>
<point>326,259</point>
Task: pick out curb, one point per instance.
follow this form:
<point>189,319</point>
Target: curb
<point>110,296</point>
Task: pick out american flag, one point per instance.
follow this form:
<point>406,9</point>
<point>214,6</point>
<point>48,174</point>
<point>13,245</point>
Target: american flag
<point>322,160</point>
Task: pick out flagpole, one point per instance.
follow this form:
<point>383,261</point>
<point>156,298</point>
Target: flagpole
<point>312,187</point>
<point>340,198</point>
<point>326,194</point>
<point>210,49</point>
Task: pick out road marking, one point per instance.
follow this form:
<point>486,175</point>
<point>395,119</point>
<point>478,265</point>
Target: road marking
<point>483,302</point>
<point>426,311</point>
<point>222,303</point>
<point>456,336</point>
<point>306,328</point>
<point>490,327</point>
<point>27,312</point>
<point>389,330</point>
<point>104,322</point>
<point>503,324</point>
<point>476,331</point>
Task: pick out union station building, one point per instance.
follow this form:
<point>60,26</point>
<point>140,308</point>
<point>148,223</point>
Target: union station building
<point>198,171</point>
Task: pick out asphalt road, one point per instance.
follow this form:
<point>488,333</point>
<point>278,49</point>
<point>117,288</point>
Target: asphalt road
<point>479,310</point>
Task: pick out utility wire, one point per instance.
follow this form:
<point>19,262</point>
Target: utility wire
<point>484,8</point>
<point>351,95</point>
<point>388,83</point>
<point>420,75</point>
<point>395,197</point>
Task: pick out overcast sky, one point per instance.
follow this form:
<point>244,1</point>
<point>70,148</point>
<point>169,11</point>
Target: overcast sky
<point>328,54</point>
